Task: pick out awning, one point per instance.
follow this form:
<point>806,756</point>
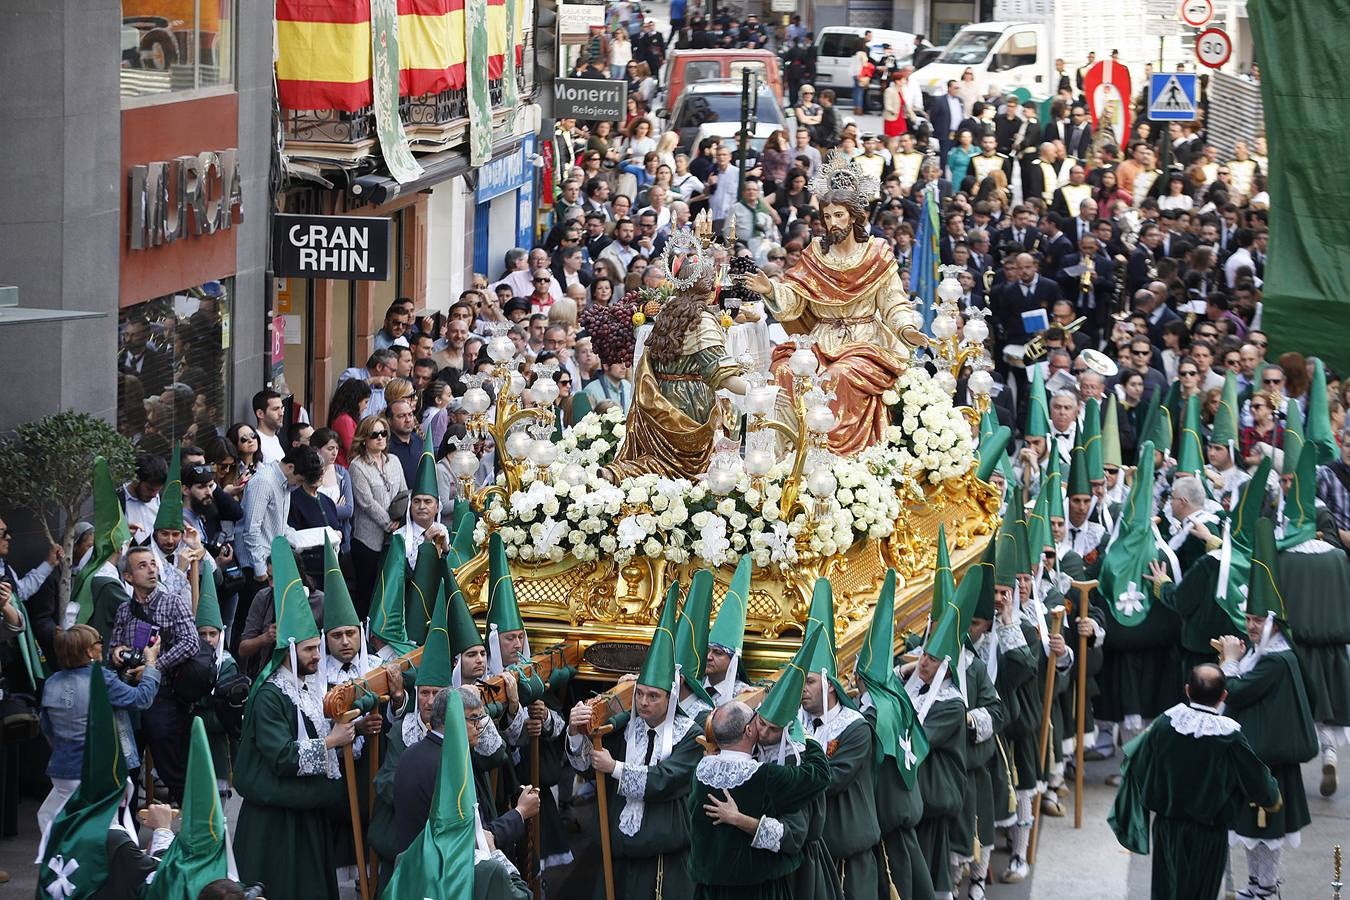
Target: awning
<point>437,168</point>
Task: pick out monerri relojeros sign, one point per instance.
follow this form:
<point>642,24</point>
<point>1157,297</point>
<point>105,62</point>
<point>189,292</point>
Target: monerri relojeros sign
<point>591,99</point>
<point>188,196</point>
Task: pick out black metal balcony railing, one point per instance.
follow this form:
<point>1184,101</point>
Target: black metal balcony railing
<point>435,109</point>
<point>330,126</point>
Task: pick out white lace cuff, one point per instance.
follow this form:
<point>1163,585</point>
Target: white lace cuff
<point>489,740</point>
<point>769,835</point>
<point>502,858</point>
<point>1098,633</point>
<point>312,757</point>
<point>515,730</point>
<point>578,752</point>
<point>1065,661</point>
<point>1010,637</point>
<point>982,722</point>
<point>554,724</point>
<point>632,778</point>
<point>160,840</point>
<point>1231,668</point>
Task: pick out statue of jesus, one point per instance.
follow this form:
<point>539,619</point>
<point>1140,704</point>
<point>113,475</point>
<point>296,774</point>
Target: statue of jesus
<point>846,293</point>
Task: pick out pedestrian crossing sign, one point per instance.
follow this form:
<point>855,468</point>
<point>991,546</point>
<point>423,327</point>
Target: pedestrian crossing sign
<point>1172,97</point>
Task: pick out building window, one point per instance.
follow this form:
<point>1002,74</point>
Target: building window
<point>172,359</point>
<point>171,47</point>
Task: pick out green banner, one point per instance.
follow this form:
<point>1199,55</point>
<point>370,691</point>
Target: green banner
<point>480,97</point>
<point>1307,274</point>
<point>510,92</point>
<point>398,158</point>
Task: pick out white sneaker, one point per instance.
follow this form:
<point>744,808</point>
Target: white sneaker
<point>1017,871</point>
<point>976,891</point>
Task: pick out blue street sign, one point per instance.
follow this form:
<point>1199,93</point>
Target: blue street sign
<point>1173,97</point>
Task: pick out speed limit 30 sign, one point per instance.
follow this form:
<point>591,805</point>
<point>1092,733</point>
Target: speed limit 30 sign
<point>1196,13</point>
<point>1213,47</point>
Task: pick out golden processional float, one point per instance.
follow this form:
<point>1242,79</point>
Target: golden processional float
<point>591,560</point>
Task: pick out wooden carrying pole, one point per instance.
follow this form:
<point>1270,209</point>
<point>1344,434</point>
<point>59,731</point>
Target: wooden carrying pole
<point>536,828</point>
<point>354,807</point>
<point>1047,697</point>
<point>1084,589</point>
<point>602,804</point>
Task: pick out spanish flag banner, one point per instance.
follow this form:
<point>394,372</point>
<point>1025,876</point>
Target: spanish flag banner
<point>323,54</point>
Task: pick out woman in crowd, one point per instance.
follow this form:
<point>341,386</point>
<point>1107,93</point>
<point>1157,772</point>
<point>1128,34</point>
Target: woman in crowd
<point>602,139</point>
<point>1110,191</point>
<point>665,148</point>
<point>1176,341</point>
<point>346,410</point>
<point>312,508</point>
<point>968,89</point>
<point>336,482</point>
<point>602,292</point>
<point>683,185</point>
<point>1175,196</point>
<point>243,441</point>
<point>1188,373</point>
<point>436,411</point>
<point>893,113</point>
<point>774,160</point>
<point>65,707</point>
<point>1265,428</point>
<point>959,156</point>
<point>792,198</point>
<point>377,478</point>
<point>620,53</point>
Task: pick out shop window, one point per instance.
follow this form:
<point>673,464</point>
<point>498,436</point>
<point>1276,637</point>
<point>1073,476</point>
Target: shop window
<point>172,363</point>
<point>170,47</point>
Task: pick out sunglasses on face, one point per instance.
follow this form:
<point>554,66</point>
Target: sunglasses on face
<point>247,437</point>
<point>1190,374</point>
<point>1272,381</point>
<point>1258,343</point>
<point>376,435</point>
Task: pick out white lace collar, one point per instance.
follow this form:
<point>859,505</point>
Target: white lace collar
<point>1198,721</point>
<point>834,725</point>
<point>727,769</point>
<point>1311,547</point>
<point>413,730</point>
<point>308,703</point>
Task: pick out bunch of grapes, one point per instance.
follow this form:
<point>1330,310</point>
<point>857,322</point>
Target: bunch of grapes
<point>741,265</point>
<point>611,329</point>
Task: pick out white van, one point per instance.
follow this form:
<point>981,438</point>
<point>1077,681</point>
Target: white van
<point>835,46</point>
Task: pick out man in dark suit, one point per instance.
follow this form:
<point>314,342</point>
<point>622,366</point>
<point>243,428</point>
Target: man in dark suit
<point>1093,293</point>
<point>1078,136</point>
<point>946,114</point>
<point>1174,242</point>
<point>141,358</point>
<point>953,233</point>
<point>1055,244</point>
<point>1151,304</point>
<point>1143,265</point>
<point>1029,292</point>
<point>1022,232</point>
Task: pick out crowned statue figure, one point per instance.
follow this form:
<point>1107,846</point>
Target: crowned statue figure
<point>846,293</point>
<point>674,419</point>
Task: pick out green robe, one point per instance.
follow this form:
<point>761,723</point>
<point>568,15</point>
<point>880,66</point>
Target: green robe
<point>942,777</point>
<point>381,833</point>
<point>1020,684</point>
<point>1141,664</point>
<point>725,863</point>
<point>899,810</point>
<point>1271,705</point>
<point>1202,618</point>
<point>816,877</point>
<point>1197,788</point>
<point>493,881</point>
<point>977,801</point>
<point>852,832</point>
<point>658,852</point>
<point>292,792</point>
<point>108,594</point>
<point>1316,591</point>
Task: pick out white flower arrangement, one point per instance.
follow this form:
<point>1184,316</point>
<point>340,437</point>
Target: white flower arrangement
<point>678,520</point>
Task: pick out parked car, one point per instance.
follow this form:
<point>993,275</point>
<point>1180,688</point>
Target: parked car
<point>835,47</point>
<point>686,67</point>
<point>713,109</point>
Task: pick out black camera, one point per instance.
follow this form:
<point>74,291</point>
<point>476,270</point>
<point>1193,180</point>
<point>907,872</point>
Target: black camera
<point>254,891</point>
<point>129,659</point>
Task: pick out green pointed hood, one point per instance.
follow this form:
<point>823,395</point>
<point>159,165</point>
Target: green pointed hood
<point>208,603</point>
<point>988,424</point>
<point>1251,499</point>
<point>1111,455</point>
<point>1040,536</point>
<point>387,600</point>
<point>1157,427</point>
<point>1091,437</point>
<point>821,617</point>
<point>338,611</point>
<point>1052,487</point>
<point>170,513</point>
<point>1038,411</point>
<point>1224,432</point>
<point>421,591</point>
<point>111,532</point>
<point>1174,408</point>
<point>1319,418</point>
<point>446,843</point>
<point>691,633</point>
<point>77,843</point>
<point>198,855</point>
<point>1191,454</point>
<point>502,610</point>
<point>993,450</point>
<point>294,617</point>
<point>424,483</point>
<point>944,641</point>
<point>658,669</point>
<point>1263,584</point>
<point>944,582</point>
<point>437,657</point>
<point>728,630</point>
<point>975,593</point>
<point>1294,440</point>
<point>1300,503</point>
<point>784,699</point>
<point>899,734</point>
<point>463,630</point>
<point>462,546</point>
<point>1008,551</point>
<point>1078,472</point>
<point>1126,561</point>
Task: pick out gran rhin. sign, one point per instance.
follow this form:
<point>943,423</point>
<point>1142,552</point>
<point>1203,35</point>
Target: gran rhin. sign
<point>182,197</point>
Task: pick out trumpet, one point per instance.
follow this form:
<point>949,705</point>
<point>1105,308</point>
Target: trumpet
<point>1035,348</point>
<point>1089,272</point>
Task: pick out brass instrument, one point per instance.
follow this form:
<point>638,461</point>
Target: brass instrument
<point>1035,348</point>
<point>1089,273</point>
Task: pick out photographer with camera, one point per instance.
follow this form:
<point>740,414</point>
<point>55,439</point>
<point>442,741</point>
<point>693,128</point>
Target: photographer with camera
<point>132,678</point>
<point>207,508</point>
<point>155,610</point>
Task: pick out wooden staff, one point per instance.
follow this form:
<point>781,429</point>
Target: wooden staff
<point>374,768</point>
<point>1084,589</point>
<point>195,582</point>
<point>354,807</point>
<point>1047,697</point>
<point>536,827</point>
<point>602,802</point>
